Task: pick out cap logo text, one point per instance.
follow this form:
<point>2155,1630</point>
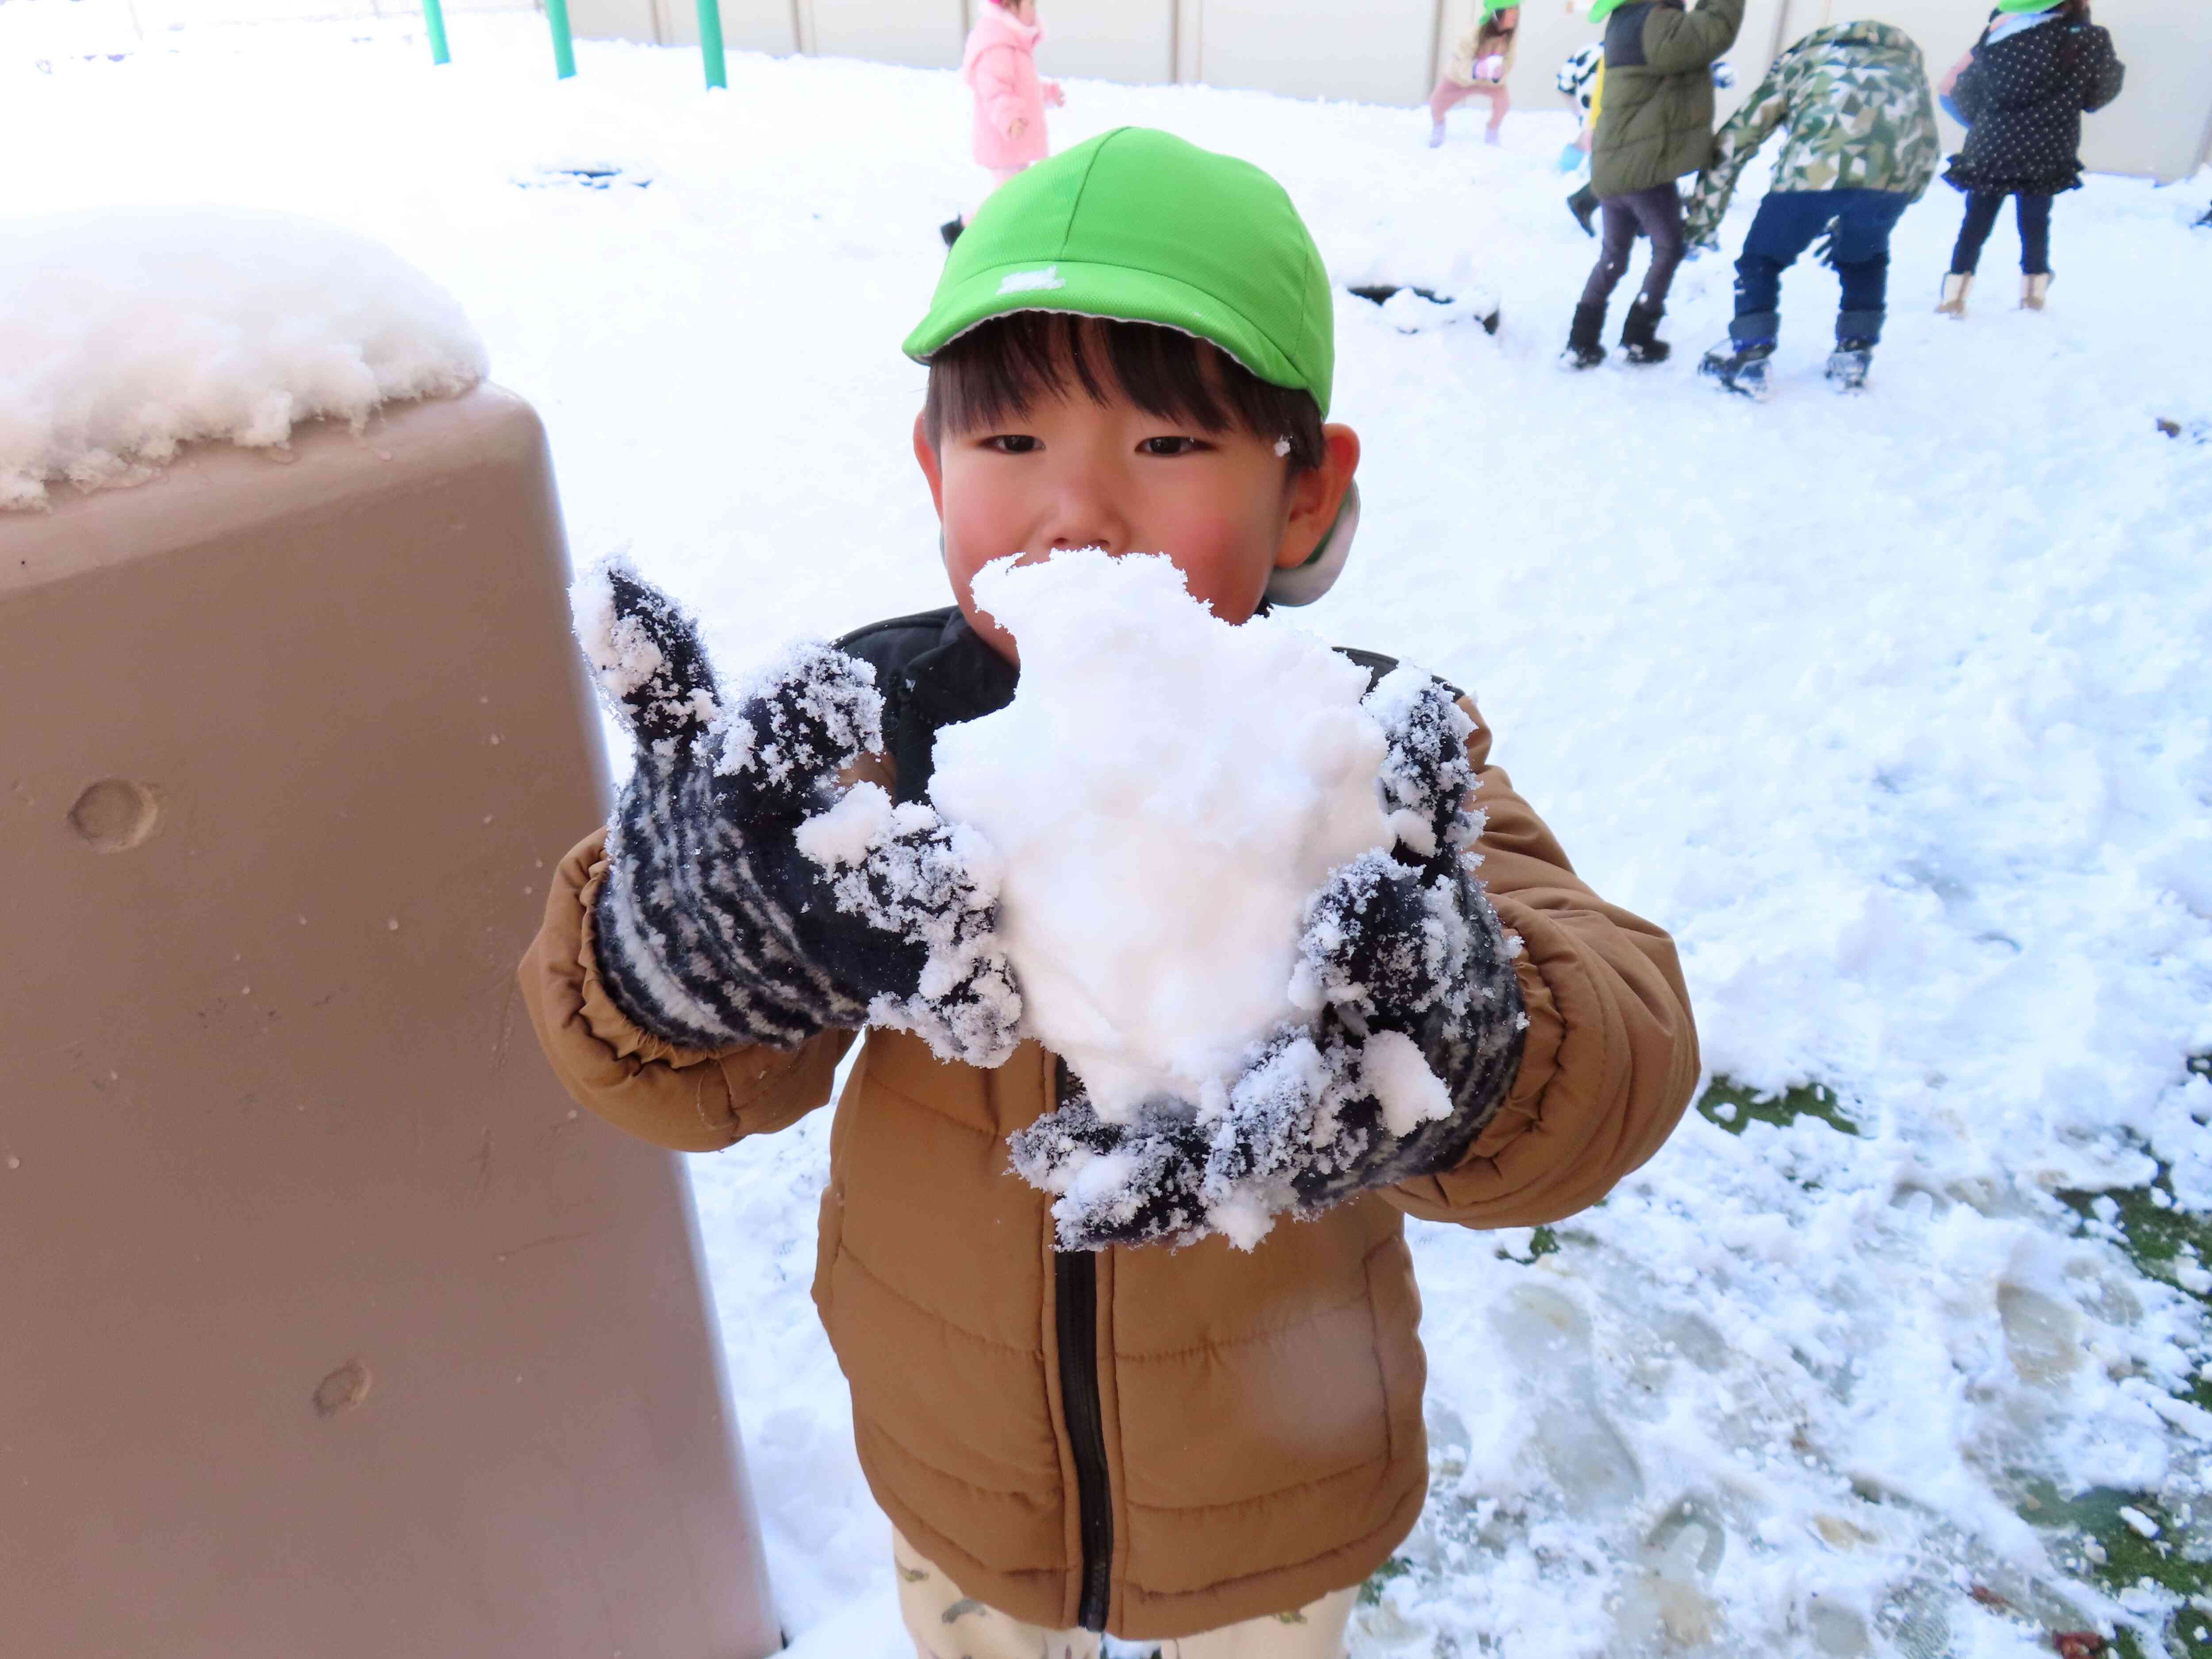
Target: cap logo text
<point>1030,281</point>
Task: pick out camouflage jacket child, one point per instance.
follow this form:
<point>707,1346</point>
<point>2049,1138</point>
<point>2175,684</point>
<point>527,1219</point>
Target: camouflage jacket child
<point>1861,116</point>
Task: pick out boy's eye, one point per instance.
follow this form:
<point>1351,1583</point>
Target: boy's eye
<point>1170,446</point>
<point>1013,443</point>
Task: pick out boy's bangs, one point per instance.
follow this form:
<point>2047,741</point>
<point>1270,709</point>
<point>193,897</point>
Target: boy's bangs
<point>997,370</point>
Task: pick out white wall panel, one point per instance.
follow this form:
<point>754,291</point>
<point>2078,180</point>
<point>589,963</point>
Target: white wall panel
<point>747,25</point>
<point>1382,51</point>
<point>175,13</point>
<point>1377,51</point>
<point>928,33</point>
<point>1188,20</point>
<point>1767,29</point>
<point>1128,41</point>
<point>152,14</point>
<point>613,20</point>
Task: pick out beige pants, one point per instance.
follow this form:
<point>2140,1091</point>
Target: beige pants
<point>946,1625</point>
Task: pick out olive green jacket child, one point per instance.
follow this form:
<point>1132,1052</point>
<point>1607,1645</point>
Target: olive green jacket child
<point>1656,122</point>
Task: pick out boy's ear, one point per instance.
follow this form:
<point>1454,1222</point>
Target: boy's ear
<point>925,453</point>
<point>1317,496</point>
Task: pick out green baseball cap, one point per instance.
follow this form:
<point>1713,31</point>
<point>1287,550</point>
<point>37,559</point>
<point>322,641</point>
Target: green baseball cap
<point>2028,5</point>
<point>1139,226</point>
<point>1601,9</point>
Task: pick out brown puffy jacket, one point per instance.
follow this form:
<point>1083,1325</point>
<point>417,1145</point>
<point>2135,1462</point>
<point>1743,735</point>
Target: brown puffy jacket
<point>1216,1435</point>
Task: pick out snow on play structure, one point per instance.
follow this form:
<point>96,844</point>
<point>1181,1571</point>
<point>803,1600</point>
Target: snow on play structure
<point>125,334</point>
<point>1167,792</point>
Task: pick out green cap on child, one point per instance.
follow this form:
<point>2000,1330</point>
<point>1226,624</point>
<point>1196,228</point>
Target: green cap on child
<point>1138,226</point>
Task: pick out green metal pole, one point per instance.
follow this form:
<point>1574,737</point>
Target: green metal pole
<point>564,49</point>
<point>434,19</point>
<point>710,43</point>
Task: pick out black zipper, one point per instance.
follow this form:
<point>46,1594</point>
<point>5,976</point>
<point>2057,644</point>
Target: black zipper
<point>1075,1312</point>
<point>1076,1280</point>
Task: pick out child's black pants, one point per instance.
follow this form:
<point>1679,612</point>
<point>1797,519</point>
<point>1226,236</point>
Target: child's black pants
<point>1982,206</point>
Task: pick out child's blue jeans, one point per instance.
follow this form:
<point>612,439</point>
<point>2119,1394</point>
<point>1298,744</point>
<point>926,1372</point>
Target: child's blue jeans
<point>1784,228</point>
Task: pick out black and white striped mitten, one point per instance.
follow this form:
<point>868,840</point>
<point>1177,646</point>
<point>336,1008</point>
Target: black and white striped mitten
<point>751,896</point>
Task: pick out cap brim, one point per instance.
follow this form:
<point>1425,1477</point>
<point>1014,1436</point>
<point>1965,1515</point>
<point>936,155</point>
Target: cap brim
<point>1115,292</point>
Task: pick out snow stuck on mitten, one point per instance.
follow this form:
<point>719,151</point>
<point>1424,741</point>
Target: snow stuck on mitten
<point>619,646</point>
<point>645,655</point>
<point>803,717</point>
<point>1304,1125</point>
<point>126,334</point>
<point>901,868</point>
<point>1167,792</point>
<point>1427,778</point>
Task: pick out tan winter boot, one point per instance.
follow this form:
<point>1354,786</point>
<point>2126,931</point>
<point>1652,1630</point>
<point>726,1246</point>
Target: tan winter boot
<point>2032,290</point>
<point>1953,302</point>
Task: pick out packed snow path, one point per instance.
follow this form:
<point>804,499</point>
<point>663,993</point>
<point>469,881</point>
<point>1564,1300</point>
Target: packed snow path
<point>1894,709</point>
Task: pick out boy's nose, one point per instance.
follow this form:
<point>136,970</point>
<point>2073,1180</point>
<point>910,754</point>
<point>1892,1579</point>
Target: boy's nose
<point>1084,517</point>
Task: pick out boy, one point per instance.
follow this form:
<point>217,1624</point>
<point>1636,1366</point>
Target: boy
<point>1655,124</point>
<point>1132,348</point>
<point>1863,147</point>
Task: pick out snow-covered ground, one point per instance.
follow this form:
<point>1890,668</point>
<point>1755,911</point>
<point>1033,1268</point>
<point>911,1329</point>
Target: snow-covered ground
<point>1895,710</point>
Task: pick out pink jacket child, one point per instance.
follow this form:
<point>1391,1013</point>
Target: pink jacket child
<point>1000,69</point>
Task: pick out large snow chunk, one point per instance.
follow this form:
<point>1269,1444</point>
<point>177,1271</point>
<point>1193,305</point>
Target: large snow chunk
<point>1167,792</point>
<point>123,334</point>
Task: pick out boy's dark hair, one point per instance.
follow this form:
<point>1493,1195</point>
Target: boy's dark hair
<point>999,367</point>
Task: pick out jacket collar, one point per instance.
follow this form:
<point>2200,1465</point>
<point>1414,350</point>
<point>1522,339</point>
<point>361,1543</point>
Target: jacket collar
<point>957,679</point>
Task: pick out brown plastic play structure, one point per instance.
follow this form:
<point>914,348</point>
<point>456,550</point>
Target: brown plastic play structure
<point>329,1330</point>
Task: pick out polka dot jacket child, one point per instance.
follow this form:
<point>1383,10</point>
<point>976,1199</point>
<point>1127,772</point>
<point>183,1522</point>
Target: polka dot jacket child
<point>2023,97</point>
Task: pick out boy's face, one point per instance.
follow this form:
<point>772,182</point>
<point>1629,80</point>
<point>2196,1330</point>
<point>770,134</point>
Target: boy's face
<point>1224,507</point>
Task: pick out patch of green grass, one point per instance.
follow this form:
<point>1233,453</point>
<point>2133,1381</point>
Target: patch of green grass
<point>2159,1232</point>
<point>2159,1237</point>
<point>1734,1107</point>
<point>2106,1548</point>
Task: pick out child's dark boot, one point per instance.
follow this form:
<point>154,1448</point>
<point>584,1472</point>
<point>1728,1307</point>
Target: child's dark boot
<point>1583,349</point>
<point>1740,366</point>
<point>1848,364</point>
<point>1856,333</point>
<point>1638,331</point>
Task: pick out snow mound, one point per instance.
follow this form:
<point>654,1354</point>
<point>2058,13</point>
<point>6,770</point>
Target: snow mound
<point>123,334</point>
<point>1167,792</point>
